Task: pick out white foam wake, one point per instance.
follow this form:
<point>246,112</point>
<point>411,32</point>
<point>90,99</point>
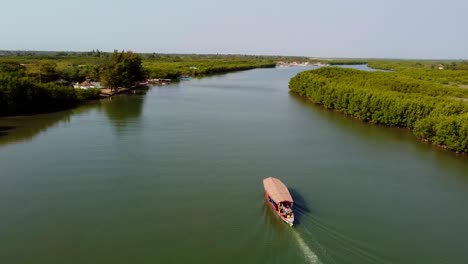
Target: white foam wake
<point>310,256</point>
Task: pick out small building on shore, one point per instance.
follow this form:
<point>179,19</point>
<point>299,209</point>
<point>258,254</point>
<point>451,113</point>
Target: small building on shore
<point>84,85</point>
<point>87,85</point>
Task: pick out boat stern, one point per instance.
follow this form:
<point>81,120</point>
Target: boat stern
<point>289,220</point>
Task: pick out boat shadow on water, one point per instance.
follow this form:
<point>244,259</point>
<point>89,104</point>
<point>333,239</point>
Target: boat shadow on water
<point>301,208</point>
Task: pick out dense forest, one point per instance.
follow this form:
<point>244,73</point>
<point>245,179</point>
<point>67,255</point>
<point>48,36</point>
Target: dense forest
<point>435,111</point>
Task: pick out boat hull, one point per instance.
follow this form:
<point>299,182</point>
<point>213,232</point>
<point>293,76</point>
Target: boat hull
<point>289,221</point>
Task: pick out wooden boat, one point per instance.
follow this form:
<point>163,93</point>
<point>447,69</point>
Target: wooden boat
<point>278,197</point>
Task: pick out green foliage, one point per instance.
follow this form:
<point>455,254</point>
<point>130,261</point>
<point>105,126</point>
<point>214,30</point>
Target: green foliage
<point>442,72</point>
<point>200,67</point>
<point>73,74</point>
<point>21,95</point>
<point>393,99</point>
<point>122,69</point>
<point>28,79</point>
<point>77,67</point>
<point>451,131</point>
<point>47,72</point>
<point>88,94</point>
<point>12,67</point>
<point>344,62</point>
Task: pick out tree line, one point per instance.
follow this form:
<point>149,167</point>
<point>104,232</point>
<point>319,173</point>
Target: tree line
<point>196,68</point>
<point>41,82</point>
<point>23,93</point>
<point>434,112</point>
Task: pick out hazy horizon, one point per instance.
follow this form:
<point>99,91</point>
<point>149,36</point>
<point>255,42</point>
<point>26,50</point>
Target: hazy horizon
<point>241,54</point>
<point>322,29</point>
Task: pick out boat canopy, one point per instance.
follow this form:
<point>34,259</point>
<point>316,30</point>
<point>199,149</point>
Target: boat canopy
<point>277,190</point>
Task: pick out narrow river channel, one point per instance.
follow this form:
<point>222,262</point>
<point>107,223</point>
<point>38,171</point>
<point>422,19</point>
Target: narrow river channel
<point>175,176</point>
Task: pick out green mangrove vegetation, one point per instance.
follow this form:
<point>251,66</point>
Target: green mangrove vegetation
<point>343,61</point>
<point>23,95</point>
<point>122,69</point>
<point>436,112</point>
<point>36,82</point>
<point>444,72</point>
<point>80,66</point>
<point>173,66</point>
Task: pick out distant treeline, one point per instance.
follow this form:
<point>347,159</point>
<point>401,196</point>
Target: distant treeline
<point>35,82</point>
<point>436,112</point>
<point>399,65</point>
<point>159,56</point>
<point>345,62</point>
<point>77,67</point>
<point>444,72</point>
<point>174,69</point>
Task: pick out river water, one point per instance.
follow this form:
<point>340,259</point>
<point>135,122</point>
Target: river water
<point>175,176</point>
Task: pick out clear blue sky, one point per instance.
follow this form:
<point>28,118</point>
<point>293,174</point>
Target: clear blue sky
<point>326,28</point>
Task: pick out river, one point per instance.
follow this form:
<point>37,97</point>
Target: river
<point>175,176</point>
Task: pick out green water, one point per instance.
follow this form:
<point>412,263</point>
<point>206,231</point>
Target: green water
<point>175,176</point>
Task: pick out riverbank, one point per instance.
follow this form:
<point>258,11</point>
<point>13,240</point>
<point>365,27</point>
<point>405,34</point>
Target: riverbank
<point>43,84</point>
<point>96,173</point>
<point>429,109</point>
<point>21,95</point>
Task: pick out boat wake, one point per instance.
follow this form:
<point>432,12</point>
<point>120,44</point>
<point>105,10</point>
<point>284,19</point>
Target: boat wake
<point>310,256</point>
<point>312,226</point>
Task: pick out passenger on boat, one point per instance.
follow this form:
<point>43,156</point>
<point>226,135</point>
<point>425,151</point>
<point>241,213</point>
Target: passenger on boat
<point>285,209</point>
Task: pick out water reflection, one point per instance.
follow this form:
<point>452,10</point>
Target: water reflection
<point>4,130</point>
<point>25,128</point>
<point>123,110</point>
<point>387,140</point>
<point>369,131</point>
